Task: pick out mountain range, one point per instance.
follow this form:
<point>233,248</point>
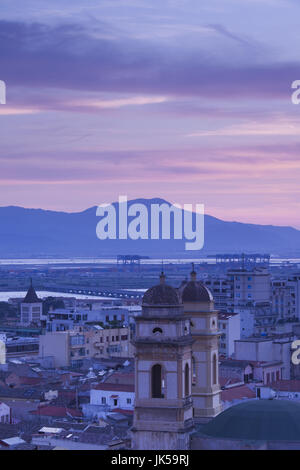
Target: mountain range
<point>44,233</point>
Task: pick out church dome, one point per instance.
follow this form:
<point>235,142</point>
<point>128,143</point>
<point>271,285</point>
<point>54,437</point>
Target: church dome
<point>161,294</point>
<point>258,420</point>
<point>195,291</point>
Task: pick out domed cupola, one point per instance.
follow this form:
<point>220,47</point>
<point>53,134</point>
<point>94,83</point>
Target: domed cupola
<point>195,291</point>
<point>161,295</point>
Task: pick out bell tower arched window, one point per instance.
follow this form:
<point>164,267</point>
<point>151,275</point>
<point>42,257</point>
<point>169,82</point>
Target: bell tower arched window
<point>186,380</point>
<point>156,381</point>
<point>215,365</point>
<point>193,371</point>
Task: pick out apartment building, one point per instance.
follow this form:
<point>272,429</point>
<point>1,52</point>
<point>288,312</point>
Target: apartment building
<point>71,347</point>
<point>250,286</point>
<point>67,319</point>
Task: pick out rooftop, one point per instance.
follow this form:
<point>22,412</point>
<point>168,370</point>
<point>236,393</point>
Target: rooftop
<point>31,297</point>
<point>115,387</point>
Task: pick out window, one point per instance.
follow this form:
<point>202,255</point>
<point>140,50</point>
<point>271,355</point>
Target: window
<point>77,340</point>
<point>103,400</point>
<point>214,369</point>
<point>193,371</point>
<point>156,381</point>
<point>186,380</point>
<point>128,401</point>
<point>115,402</point>
<point>157,330</point>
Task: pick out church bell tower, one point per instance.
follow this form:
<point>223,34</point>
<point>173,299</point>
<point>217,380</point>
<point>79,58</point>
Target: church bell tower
<point>163,415</point>
<point>198,305</point>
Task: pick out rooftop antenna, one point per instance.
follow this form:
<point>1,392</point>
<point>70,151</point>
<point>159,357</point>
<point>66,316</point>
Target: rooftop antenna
<point>193,273</point>
<point>162,276</point>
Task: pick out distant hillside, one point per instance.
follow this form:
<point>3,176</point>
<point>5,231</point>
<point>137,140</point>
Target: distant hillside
<point>37,233</point>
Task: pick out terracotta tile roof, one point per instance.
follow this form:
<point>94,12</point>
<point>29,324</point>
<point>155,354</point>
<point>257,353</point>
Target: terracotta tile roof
<point>124,412</point>
<point>115,387</point>
<point>30,380</point>
<point>237,393</point>
<point>57,411</point>
<point>228,381</point>
<point>286,385</point>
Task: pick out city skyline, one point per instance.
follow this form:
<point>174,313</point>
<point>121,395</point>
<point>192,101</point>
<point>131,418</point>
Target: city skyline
<point>187,102</point>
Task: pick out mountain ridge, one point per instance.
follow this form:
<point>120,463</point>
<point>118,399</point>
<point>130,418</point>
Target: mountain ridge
<point>40,232</point>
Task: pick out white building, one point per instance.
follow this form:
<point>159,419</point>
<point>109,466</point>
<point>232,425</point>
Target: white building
<point>114,396</point>
<point>66,319</point>
<point>5,413</point>
<point>31,308</point>
<point>230,329</point>
<point>247,321</point>
<point>2,348</point>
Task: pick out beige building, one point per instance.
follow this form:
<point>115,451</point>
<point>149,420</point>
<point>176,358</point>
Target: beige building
<point>112,342</point>
<point>250,286</point>
<point>2,348</point>
<point>71,347</point>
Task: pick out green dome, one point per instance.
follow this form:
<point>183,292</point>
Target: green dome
<point>258,420</point>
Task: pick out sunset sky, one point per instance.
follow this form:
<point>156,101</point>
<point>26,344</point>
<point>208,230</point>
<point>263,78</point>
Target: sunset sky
<point>188,100</point>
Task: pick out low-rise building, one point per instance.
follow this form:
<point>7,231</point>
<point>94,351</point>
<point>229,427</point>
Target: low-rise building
<point>230,329</point>
<point>115,396</point>
<point>272,356</point>
<point>5,413</point>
